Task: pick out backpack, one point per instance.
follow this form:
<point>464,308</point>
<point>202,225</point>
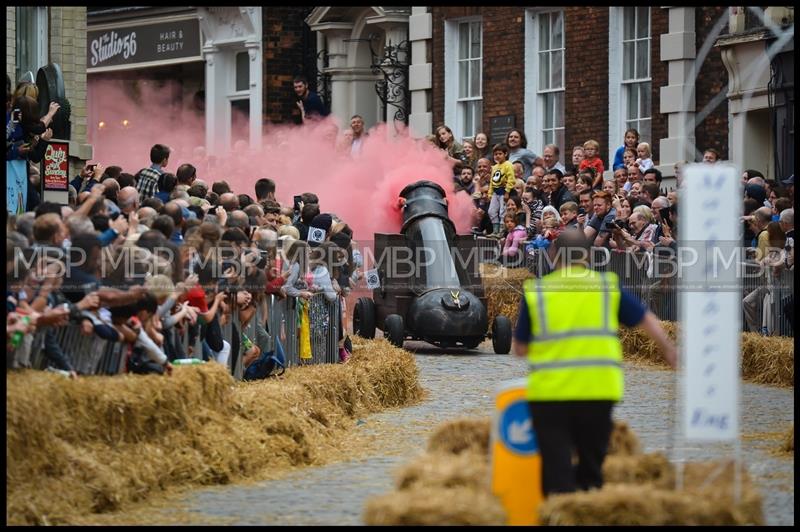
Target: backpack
<point>267,364</point>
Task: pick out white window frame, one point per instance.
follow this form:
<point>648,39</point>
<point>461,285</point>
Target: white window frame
<point>40,39</point>
<point>452,110</point>
<point>617,103</point>
<point>534,103</point>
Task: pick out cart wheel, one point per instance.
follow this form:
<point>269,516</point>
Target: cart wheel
<point>394,329</point>
<point>364,318</point>
<point>501,335</point>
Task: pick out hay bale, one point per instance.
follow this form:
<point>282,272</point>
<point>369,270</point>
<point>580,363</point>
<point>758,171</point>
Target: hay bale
<point>503,290</point>
<point>461,435</point>
<point>652,468</point>
<point>715,475</point>
<point>788,441</point>
<point>630,504</point>
<point>95,444</point>
<point>765,359</point>
<point>435,506</point>
<point>623,440</point>
<point>636,345</point>
<point>446,471</point>
<point>768,359</point>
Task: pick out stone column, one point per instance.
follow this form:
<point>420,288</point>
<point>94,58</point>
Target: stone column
<point>420,73</point>
<point>678,97</point>
<point>335,34</point>
<point>215,116</point>
<point>256,104</point>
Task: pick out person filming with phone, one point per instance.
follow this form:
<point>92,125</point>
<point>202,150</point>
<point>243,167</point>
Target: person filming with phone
<point>89,177</point>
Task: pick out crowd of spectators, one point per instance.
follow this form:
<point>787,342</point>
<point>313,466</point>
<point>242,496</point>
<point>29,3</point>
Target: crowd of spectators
<point>512,188</point>
<point>144,257</point>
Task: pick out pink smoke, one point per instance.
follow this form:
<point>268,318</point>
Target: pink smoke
<point>363,191</point>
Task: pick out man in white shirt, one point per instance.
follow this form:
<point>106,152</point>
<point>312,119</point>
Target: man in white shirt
<point>359,135</point>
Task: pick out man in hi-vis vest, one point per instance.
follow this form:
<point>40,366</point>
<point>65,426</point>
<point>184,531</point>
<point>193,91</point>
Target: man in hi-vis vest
<point>568,328</point>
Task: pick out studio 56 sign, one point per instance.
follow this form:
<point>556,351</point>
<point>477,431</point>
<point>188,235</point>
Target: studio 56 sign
<point>111,44</point>
<point>162,43</point>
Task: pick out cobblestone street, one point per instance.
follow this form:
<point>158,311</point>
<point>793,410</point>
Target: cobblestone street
<point>464,385</point>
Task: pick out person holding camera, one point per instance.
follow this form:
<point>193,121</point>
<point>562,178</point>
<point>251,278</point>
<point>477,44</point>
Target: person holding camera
<point>87,178</point>
<point>639,237</point>
<point>602,223</point>
<point>669,228</point>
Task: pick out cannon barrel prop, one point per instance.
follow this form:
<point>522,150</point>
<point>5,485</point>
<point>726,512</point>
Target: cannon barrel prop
<point>426,299</point>
<point>442,312</point>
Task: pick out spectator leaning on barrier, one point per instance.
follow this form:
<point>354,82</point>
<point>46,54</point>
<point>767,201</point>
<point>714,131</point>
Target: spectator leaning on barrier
<point>773,257</point>
<point>511,254</point>
<point>787,224</point>
<point>758,222</point>
<point>787,260</point>
<point>575,361</point>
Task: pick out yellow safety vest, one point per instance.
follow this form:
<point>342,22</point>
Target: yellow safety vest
<point>575,354</point>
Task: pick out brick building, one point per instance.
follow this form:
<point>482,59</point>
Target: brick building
<point>38,36</point>
<point>686,77</point>
<point>568,74</point>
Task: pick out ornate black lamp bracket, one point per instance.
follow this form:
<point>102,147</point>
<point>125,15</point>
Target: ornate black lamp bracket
<point>392,86</point>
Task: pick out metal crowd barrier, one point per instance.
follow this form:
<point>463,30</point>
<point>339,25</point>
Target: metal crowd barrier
<point>90,355</point>
<point>783,304</point>
<point>488,249</point>
<point>282,320</point>
<point>279,317</point>
<point>652,277</point>
<point>775,303</point>
<point>648,276</point>
<point>282,325</point>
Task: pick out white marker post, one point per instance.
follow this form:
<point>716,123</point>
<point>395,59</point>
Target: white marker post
<point>711,305</point>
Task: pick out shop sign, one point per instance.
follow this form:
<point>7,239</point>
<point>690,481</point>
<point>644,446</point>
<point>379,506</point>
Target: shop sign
<point>55,175</point>
<point>174,41</point>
